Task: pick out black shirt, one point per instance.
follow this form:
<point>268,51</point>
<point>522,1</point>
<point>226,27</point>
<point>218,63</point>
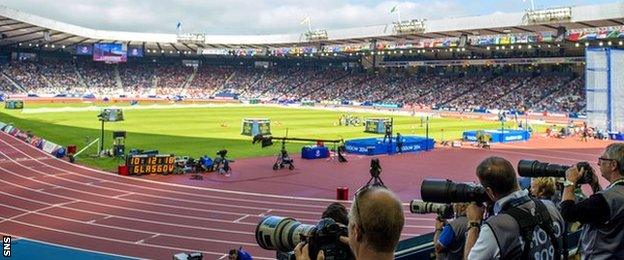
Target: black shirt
<point>593,210</point>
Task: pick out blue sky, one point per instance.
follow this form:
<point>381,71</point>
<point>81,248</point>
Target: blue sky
<point>261,16</point>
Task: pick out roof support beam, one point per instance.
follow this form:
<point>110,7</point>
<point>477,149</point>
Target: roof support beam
<point>522,29</point>
<point>23,34</point>
<point>9,24</point>
<point>20,28</point>
<point>494,31</point>
<point>41,37</point>
<point>586,24</point>
<point>616,21</point>
<point>78,42</point>
<point>62,39</point>
<point>549,26</point>
<point>424,36</point>
<point>444,34</point>
<point>176,48</point>
<point>189,47</point>
<point>33,39</point>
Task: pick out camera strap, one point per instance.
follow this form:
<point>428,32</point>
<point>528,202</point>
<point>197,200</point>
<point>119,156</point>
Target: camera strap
<point>616,183</point>
<point>528,222</point>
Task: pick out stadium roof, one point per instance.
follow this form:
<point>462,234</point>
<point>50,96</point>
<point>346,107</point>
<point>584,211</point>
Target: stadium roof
<point>18,27</point>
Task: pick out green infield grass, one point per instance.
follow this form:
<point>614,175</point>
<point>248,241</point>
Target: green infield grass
<point>196,131</point>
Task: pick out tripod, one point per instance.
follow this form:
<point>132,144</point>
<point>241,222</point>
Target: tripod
<point>375,171</point>
<point>283,159</point>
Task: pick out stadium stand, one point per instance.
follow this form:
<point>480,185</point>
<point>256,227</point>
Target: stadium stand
<point>558,91</point>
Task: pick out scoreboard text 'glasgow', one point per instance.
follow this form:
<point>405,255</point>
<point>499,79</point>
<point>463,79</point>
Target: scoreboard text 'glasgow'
<point>150,164</point>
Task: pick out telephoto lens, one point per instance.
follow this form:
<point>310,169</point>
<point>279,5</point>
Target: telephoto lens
<point>444,211</point>
<point>534,168</point>
<point>280,233</point>
<point>283,234</point>
<point>446,191</point>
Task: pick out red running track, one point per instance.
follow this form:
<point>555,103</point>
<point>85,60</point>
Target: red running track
<point>50,200</point>
<point>54,201</point>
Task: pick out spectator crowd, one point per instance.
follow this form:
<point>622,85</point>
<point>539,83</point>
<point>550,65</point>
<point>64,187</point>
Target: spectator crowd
<point>553,92</point>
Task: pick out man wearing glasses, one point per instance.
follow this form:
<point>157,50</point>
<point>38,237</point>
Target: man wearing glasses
<point>502,236</point>
<point>375,223</point>
<point>603,212</point>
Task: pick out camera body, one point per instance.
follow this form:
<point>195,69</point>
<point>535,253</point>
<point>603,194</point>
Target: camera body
<point>534,168</point>
<point>222,153</point>
<point>444,211</point>
<point>283,234</point>
<point>375,168</point>
<point>326,237</point>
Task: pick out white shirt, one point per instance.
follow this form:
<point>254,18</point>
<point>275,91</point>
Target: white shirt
<point>486,246</point>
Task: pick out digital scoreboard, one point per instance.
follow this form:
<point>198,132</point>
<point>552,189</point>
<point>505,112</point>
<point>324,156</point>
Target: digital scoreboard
<point>150,164</point>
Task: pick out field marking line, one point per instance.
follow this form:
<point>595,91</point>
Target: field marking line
<point>541,155</point>
<point>241,218</point>
<point>143,240</point>
<point>71,247</point>
<point>555,150</point>
<point>133,201</point>
<point>127,208</point>
<point>176,185</point>
<point>139,232</point>
<point>112,240</point>
<point>106,216</point>
<point>253,194</point>
<point>123,195</point>
<point>50,206</point>
<point>170,198</point>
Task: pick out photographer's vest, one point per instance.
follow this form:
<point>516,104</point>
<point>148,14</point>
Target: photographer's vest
<point>606,241</point>
<point>456,250</point>
<point>506,230</point>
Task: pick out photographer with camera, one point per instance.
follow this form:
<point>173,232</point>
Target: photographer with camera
<point>520,228</point>
<point>337,212</point>
<point>375,223</point>
<point>603,212</point>
<point>449,238</point>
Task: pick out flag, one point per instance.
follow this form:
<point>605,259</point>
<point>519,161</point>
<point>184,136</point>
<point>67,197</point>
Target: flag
<point>394,9</point>
<point>305,20</point>
<point>46,36</point>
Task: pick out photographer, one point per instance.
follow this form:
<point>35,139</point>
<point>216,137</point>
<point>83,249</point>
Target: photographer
<point>509,232</point>
<point>603,212</point>
<point>449,238</point>
<point>375,223</point>
<point>399,142</point>
<point>544,188</point>
<point>239,254</point>
<point>337,212</point>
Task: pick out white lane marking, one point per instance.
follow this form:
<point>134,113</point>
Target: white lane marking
<point>241,218</point>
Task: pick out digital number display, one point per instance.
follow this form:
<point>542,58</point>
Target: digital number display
<point>150,164</point>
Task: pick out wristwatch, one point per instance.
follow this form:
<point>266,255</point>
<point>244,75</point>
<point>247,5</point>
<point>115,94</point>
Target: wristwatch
<point>474,224</point>
<point>568,183</point>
